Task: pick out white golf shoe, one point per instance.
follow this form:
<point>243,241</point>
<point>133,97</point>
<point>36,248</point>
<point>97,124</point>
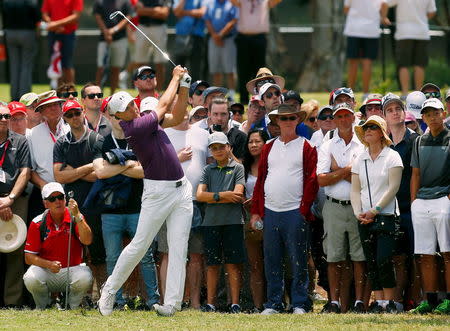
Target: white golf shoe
<point>164,310</point>
<point>106,302</point>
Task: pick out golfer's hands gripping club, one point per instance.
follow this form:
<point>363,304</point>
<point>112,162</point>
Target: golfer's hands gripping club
<point>73,206</point>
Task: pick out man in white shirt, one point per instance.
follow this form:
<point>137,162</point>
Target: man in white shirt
<point>340,225</point>
<point>412,36</point>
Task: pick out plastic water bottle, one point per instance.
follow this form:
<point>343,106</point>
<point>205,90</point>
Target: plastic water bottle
<point>259,225</point>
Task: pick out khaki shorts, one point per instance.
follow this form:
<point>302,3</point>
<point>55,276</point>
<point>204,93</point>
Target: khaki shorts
<point>341,234</point>
<point>145,51</point>
<point>117,53</point>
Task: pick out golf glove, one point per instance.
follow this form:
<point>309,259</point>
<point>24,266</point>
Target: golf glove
<point>186,80</point>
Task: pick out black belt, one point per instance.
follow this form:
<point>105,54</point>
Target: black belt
<point>341,202</point>
<point>178,183</point>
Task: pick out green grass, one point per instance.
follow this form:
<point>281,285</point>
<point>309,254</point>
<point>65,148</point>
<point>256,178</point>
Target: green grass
<point>192,320</point>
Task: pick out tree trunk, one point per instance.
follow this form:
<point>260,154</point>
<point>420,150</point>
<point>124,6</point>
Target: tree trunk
<point>324,66</point>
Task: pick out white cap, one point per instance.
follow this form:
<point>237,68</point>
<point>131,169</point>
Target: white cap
<point>217,138</point>
<point>263,89</point>
<point>194,110</point>
<point>414,102</point>
<point>119,102</point>
<point>149,103</point>
<point>12,234</point>
<point>50,188</point>
<point>432,103</point>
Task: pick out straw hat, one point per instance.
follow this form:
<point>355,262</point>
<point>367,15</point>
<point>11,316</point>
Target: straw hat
<point>12,234</point>
<point>377,120</point>
<point>285,109</point>
<point>262,74</point>
<point>48,98</point>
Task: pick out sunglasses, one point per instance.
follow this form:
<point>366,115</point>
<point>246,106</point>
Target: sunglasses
<point>312,119</point>
<point>433,95</point>
<point>372,127</point>
<point>409,122</point>
<point>56,197</point>
<point>72,114</point>
<point>198,92</point>
<point>93,95</point>
<point>5,116</point>
<point>271,94</point>
<point>65,95</point>
<point>145,76</point>
<point>325,117</point>
<point>264,81</point>
<point>287,118</point>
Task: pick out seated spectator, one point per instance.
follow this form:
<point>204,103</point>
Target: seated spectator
<point>46,250</point>
<point>222,188</point>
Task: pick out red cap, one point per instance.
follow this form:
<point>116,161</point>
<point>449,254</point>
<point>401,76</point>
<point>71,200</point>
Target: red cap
<point>71,104</point>
<point>104,104</point>
<point>17,108</point>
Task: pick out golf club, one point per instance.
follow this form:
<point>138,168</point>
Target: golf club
<point>70,195</point>
<point>166,56</point>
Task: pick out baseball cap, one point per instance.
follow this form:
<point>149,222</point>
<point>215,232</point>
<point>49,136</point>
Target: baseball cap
<point>429,85</point>
<point>217,138</point>
<point>447,95</point>
<point>237,105</point>
<point>432,103</point>
<point>119,102</point>
<point>196,84</point>
<point>28,98</point>
<point>341,106</point>
<point>391,97</point>
<point>194,110</point>
<point>50,188</point>
<point>71,104</point>
<point>267,86</point>
<point>47,98</point>
<point>342,90</point>
<point>140,70</point>
<point>105,102</point>
<point>17,108</point>
<point>213,89</point>
<point>149,103</point>
<point>371,99</point>
<point>414,102</point>
<point>409,116</point>
<point>292,95</point>
<point>324,108</point>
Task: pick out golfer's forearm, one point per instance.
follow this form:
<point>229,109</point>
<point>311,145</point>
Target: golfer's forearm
<point>33,259</point>
<point>179,110</point>
<point>85,233</point>
<point>167,98</point>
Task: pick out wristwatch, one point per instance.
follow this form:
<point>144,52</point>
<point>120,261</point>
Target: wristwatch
<point>216,196</point>
<point>78,219</point>
<point>378,209</point>
<point>12,196</point>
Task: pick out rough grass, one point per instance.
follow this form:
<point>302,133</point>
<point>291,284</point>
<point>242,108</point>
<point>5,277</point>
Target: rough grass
<point>193,320</point>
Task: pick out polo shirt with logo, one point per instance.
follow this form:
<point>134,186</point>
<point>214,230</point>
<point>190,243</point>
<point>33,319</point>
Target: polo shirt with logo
<point>55,244</point>
<point>221,179</point>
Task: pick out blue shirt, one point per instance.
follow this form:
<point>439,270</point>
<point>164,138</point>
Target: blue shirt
<point>303,130</point>
<point>188,24</point>
<point>219,13</point>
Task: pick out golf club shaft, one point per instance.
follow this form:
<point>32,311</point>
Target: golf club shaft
<point>146,37</point>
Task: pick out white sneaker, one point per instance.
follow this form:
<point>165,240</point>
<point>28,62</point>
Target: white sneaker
<point>106,302</point>
<point>299,311</point>
<point>269,311</point>
<point>164,310</point>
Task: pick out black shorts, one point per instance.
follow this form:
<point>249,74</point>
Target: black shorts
<point>224,244</point>
<point>411,52</point>
<point>362,48</point>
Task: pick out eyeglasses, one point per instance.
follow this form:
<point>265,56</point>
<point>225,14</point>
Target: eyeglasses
<point>287,118</point>
<point>55,197</point>
<point>93,95</point>
<point>72,114</point>
<point>145,76</point>
<point>372,127</point>
<point>198,92</point>
<point>66,95</point>
<point>271,94</point>
<point>433,95</point>
<point>264,81</point>
<point>312,119</point>
<point>325,117</point>
<point>5,116</point>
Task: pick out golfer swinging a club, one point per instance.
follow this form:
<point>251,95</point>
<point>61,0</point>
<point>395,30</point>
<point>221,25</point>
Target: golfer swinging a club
<point>167,194</point>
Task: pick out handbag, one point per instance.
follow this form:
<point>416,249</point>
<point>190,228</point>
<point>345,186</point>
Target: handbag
<point>382,224</point>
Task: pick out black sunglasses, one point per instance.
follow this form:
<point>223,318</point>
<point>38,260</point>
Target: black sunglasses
<point>145,76</point>
<point>325,117</point>
<point>68,94</point>
<point>198,92</point>
<point>93,95</point>
<point>433,95</point>
<point>268,95</point>
<point>287,118</point>
<point>72,114</point>
<point>54,198</point>
<point>312,119</point>
<point>372,127</point>
<point>264,81</point>
<point>5,116</point>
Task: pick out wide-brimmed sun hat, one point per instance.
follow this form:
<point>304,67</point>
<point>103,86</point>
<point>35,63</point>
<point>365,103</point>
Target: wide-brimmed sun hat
<point>285,109</point>
<point>12,234</point>
<point>377,120</point>
<point>266,76</point>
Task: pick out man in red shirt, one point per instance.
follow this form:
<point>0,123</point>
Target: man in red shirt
<point>62,18</point>
<point>47,247</point>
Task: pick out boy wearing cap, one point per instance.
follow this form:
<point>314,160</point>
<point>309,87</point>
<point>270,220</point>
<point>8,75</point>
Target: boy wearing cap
<point>46,250</point>
<point>430,207</point>
<point>222,188</point>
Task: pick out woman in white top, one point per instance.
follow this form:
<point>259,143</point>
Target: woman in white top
<point>253,239</point>
<point>376,175</point>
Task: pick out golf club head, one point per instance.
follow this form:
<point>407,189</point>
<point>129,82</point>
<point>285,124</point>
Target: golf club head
<point>118,12</point>
<point>70,194</point>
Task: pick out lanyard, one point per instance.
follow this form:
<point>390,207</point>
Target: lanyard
<point>115,142</point>
<point>51,133</point>
<point>2,159</point>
